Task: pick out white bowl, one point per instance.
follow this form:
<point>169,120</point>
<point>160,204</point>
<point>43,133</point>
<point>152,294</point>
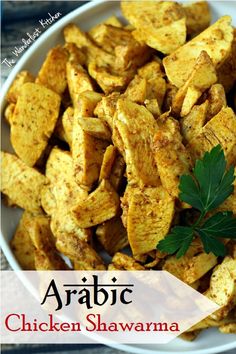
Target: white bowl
<point>210,341</point>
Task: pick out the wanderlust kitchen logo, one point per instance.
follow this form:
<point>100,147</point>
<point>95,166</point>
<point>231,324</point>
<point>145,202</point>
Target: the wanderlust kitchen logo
<point>120,306</point>
<point>30,38</point>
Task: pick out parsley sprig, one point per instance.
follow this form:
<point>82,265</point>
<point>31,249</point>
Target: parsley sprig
<point>208,187</point>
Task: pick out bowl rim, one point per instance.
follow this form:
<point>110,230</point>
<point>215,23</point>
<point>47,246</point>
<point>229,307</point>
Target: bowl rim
<point>3,243</point>
<point>131,349</point>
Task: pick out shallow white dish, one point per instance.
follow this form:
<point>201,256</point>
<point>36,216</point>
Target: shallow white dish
<point>210,341</point>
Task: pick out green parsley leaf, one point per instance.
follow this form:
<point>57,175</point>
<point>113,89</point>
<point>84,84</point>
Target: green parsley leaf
<point>212,244</point>
<point>209,186</point>
<point>220,225</point>
<point>212,183</point>
<point>189,192</point>
<point>179,240</point>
